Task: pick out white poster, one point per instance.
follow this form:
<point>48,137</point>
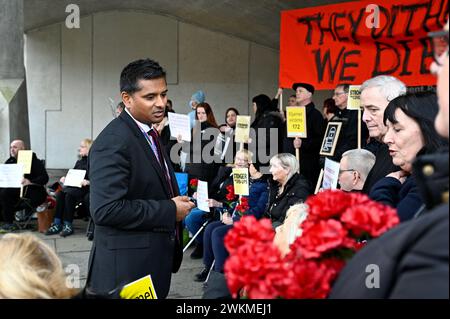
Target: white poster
<point>330,174</point>
<point>179,124</point>
<point>202,196</point>
<point>11,175</point>
<point>75,177</point>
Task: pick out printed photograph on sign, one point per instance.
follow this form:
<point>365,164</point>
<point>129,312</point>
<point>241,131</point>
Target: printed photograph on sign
<point>330,138</point>
<point>296,121</point>
<point>354,97</point>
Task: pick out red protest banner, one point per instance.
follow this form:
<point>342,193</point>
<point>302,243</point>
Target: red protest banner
<point>353,41</point>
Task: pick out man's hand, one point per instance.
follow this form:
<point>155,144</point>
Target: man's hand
<point>26,182</point>
<point>85,182</point>
<point>184,206</point>
<point>297,142</point>
<point>62,180</point>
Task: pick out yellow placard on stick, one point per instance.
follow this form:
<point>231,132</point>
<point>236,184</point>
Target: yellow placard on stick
<point>354,97</point>
<point>296,121</point>
<point>25,158</point>
<point>139,289</point>
<point>242,133</point>
<point>240,181</point>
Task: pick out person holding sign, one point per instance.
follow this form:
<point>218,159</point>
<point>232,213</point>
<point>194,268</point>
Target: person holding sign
<point>348,137</point>
<point>134,200</point>
<point>286,188</point>
<point>33,187</point>
<point>69,196</point>
<point>201,164</point>
<point>213,238</point>
<point>315,128</point>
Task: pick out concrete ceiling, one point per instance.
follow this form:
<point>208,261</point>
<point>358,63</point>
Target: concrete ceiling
<point>254,20</point>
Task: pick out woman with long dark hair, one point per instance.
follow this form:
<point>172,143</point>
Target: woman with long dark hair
<point>411,132</point>
<point>267,120</point>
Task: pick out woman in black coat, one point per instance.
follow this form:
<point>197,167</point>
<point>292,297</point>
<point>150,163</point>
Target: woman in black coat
<point>288,187</point>
<point>267,117</point>
<point>201,165</point>
<point>69,196</point>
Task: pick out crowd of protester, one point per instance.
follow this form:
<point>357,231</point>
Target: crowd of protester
<point>403,135</point>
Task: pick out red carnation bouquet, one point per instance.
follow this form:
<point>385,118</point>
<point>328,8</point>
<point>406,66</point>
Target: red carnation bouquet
<point>337,226</point>
<point>243,206</point>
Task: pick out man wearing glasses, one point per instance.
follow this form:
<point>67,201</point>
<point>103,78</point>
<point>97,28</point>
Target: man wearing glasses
<point>355,165</point>
<point>348,138</point>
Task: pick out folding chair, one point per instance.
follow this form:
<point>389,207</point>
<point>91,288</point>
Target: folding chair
<point>29,204</point>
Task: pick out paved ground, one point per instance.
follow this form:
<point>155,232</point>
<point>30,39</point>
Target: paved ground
<point>74,253</point>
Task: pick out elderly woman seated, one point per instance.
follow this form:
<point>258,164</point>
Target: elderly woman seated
<point>287,188</point>
<point>411,132</point>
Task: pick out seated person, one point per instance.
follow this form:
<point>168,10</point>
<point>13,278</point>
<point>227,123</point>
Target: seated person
<point>69,196</point>
<point>213,238</point>
<point>34,187</point>
<point>286,189</point>
<point>217,199</point>
<point>29,269</point>
<point>354,167</point>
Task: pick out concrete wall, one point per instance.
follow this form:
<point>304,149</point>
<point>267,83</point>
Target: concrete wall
<point>73,73</point>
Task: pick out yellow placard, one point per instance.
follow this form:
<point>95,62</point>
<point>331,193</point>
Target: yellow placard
<point>296,121</point>
<point>354,97</point>
<point>240,181</point>
<point>242,133</point>
<point>25,158</point>
<point>139,289</point>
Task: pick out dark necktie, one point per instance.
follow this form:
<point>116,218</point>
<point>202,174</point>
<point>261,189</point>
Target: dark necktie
<point>160,157</point>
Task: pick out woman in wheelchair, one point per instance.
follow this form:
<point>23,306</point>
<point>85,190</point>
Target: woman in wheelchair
<point>69,197</point>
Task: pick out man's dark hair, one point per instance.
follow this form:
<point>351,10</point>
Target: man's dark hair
<point>344,86</point>
<point>139,70</point>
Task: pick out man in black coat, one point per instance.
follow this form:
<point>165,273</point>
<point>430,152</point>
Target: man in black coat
<point>315,128</point>
<point>411,260</point>
<point>376,93</point>
<point>348,137</point>
<point>134,196</point>
<point>34,187</point>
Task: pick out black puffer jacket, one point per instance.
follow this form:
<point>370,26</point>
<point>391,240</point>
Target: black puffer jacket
<point>296,190</point>
<point>267,121</point>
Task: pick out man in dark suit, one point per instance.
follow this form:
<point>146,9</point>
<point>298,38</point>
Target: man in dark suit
<point>33,187</point>
<point>315,128</point>
<point>134,196</point>
<point>411,260</point>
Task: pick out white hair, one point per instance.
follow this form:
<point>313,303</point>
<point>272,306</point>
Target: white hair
<point>390,87</point>
<point>287,161</point>
<point>361,161</point>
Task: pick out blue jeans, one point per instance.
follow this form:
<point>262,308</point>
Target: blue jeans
<point>214,246</point>
<point>193,221</point>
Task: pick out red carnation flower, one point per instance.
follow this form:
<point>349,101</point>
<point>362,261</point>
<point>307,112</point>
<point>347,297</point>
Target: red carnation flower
<point>320,238</point>
<point>328,204</point>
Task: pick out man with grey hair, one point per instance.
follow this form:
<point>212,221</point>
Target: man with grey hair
<point>376,93</point>
<point>355,165</point>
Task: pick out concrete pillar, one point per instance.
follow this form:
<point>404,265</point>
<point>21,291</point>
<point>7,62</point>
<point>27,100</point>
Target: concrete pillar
<point>13,93</point>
